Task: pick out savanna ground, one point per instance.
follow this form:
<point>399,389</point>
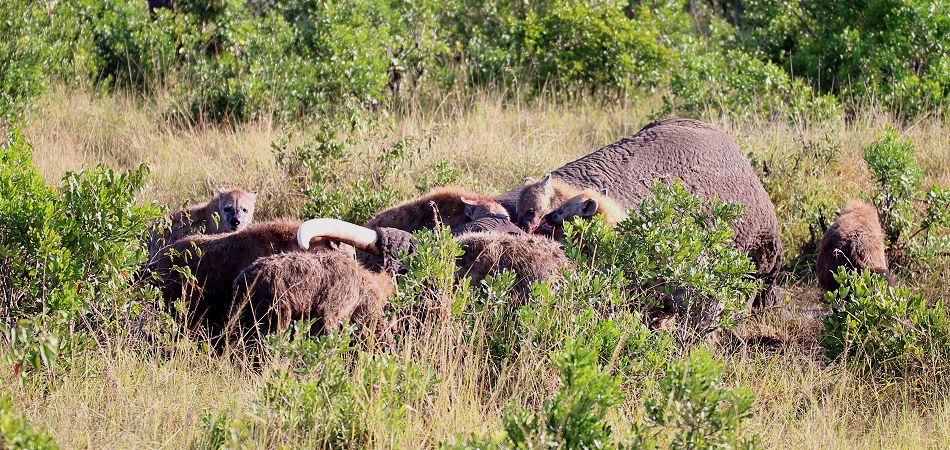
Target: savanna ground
<point>115,396</point>
<point>340,108</point>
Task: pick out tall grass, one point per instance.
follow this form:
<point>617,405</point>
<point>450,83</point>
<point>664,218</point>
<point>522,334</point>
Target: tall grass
<point>121,396</point>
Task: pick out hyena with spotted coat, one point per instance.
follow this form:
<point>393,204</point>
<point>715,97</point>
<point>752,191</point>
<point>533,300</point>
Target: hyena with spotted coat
<point>229,210</point>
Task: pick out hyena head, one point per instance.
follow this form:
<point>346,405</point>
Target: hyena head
<point>477,209</point>
<point>582,205</point>
<point>534,202</point>
<point>235,208</point>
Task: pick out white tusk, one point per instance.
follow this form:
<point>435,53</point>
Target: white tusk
<point>338,230</point>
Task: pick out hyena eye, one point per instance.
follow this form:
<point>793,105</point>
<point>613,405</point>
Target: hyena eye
<point>243,209</point>
<point>228,209</point>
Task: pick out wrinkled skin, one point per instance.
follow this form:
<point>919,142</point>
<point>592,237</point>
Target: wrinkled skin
<point>709,163</point>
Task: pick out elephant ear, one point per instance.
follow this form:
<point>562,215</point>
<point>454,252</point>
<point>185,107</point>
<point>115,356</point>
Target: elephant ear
<point>589,208</point>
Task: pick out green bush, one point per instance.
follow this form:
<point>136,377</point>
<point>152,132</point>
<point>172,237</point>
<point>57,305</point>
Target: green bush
<point>333,395</point>
<point>218,431</point>
<point>17,434</point>
<point>735,83</point>
<point>794,181</point>
<point>23,75</point>
<point>66,253</point>
<point>885,332</point>
<point>692,408</point>
<point>677,249</point>
<point>909,216</point>
<point>575,417</point>
<point>313,400</point>
<point>892,163</point>
<point>889,52</point>
<point>319,168</point>
<point>429,284</point>
<point>575,46</point>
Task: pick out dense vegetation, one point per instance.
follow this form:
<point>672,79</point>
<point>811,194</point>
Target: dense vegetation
<point>575,365</point>
<point>233,60</point>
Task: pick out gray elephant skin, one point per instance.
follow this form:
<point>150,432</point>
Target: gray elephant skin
<point>708,162</point>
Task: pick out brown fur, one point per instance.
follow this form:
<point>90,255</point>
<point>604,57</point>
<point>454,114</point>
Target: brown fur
<point>328,287</point>
<point>453,210</point>
<point>215,261</point>
<point>585,205</point>
<point>540,197</point>
<point>855,240</point>
<point>531,258</point>
<point>229,210</point>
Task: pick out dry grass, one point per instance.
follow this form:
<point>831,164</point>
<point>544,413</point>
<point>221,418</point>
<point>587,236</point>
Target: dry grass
<point>114,398</point>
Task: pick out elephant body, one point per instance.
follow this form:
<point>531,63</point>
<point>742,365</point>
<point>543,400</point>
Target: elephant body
<point>707,161</point>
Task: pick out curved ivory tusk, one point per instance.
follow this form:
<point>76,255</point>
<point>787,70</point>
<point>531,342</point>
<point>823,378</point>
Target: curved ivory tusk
<point>359,237</point>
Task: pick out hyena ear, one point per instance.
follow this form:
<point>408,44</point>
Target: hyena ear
<point>589,209</point>
<point>470,206</point>
<point>545,182</point>
<point>253,194</point>
<point>221,189</point>
<point>528,180</point>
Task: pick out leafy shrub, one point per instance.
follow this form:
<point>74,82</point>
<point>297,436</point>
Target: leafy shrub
<point>891,52</point>
<point>594,307</point>
<point>66,253</point>
<point>885,332</point>
<point>332,395</point>
<point>16,434</point>
<point>320,166</point>
<point>313,400</point>
<point>693,409</point>
<point>619,339</point>
<point>901,204</point>
<point>126,48</point>
<point>735,83</point>
<point>428,284</point>
<point>891,160</point>
<point>218,431</point>
<point>577,46</point>
<point>575,417</point>
<point>677,249</point>
<point>23,74</point>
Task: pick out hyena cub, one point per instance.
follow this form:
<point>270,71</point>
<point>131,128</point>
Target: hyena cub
<point>855,240</point>
<point>539,198</point>
<point>229,210</point>
<point>585,205</point>
<point>455,207</point>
